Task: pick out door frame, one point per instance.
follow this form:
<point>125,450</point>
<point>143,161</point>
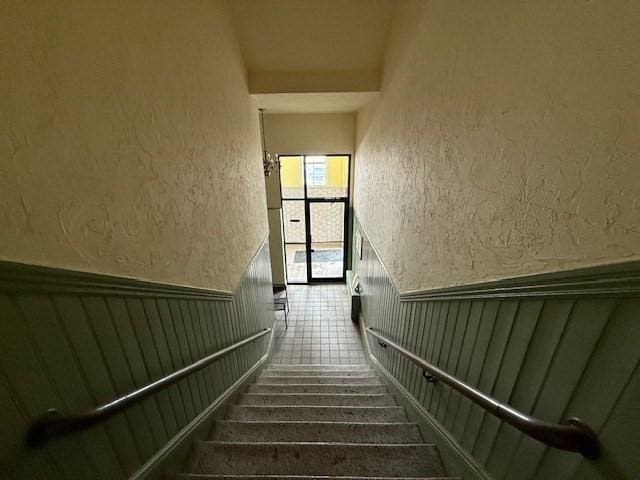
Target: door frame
<point>309,251</point>
<point>307,200</point>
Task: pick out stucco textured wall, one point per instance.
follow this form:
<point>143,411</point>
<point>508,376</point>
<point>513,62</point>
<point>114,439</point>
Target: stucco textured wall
<point>128,143</point>
<point>505,141</point>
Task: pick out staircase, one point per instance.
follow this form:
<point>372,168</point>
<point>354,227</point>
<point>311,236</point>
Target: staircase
<point>311,421</point>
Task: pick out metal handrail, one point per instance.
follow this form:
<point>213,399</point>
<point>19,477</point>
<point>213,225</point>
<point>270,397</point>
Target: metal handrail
<point>572,435</point>
<point>55,424</point>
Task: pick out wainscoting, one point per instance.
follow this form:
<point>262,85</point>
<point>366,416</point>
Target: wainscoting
<point>71,341</point>
<point>554,346</point>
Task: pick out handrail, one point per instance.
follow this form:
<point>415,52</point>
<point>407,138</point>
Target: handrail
<point>54,424</point>
<point>573,435</point>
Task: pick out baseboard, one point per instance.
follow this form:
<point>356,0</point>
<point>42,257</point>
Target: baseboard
<point>456,460</point>
<point>271,338</point>
<point>171,458</point>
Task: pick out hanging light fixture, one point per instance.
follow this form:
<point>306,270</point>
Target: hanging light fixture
<point>269,162</point>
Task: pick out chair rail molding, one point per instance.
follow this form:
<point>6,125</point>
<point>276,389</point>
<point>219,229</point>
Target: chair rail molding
<point>85,339</point>
<point>543,344</point>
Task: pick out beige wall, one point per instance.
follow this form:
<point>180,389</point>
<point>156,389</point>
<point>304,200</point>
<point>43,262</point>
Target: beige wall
<point>310,133</point>
<point>276,246</point>
<point>505,142</point>
<point>304,134</point>
<point>128,142</point>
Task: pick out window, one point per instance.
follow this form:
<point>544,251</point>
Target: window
<point>316,171</point>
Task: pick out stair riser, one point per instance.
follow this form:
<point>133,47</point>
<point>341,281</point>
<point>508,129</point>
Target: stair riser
<point>316,432</point>
<point>317,388</point>
<point>196,476</point>
<point>318,380</point>
<point>315,459</point>
<point>282,366</point>
<point>318,373</point>
<point>317,400</point>
<point>318,414</point>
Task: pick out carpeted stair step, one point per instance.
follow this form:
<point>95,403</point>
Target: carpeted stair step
<point>316,414</point>
<point>316,388</point>
<point>343,459</point>
<point>338,379</point>
<point>236,431</point>
<point>317,399</point>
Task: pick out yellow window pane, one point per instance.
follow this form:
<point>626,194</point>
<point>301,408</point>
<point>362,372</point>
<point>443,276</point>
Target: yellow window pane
<point>291,180</point>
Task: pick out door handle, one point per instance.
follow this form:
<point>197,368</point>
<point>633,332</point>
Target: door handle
<point>295,220</point>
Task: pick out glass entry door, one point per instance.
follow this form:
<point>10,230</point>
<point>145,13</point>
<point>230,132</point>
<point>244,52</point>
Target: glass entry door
<point>315,197</point>
<point>327,230</point>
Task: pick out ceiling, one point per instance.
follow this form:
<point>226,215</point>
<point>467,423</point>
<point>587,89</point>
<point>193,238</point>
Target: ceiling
<point>312,34</point>
<point>312,56</point>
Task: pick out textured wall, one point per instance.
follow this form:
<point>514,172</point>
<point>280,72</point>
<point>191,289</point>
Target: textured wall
<point>544,353</point>
<point>505,141</point>
<point>128,142</point>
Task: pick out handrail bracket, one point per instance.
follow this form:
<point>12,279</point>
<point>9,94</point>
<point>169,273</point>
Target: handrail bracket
<point>590,448</point>
<point>574,435</point>
<point>54,424</point>
<point>429,378</point>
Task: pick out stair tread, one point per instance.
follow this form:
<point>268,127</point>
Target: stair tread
<point>327,384</point>
<point>319,365</point>
<point>319,394</point>
<point>316,373</point>
<point>319,369</point>
<point>318,379</point>
<point>315,413</point>
<point>330,407</point>
<point>316,444</point>
<point>316,399</point>
<point>315,422</point>
<point>346,388</point>
<point>301,477</point>
<point>326,372</point>
<point>316,458</point>
<point>306,371</point>
<point>302,422</point>
<point>316,431</point>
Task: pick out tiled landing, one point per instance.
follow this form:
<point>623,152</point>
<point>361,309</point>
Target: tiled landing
<point>320,328</point>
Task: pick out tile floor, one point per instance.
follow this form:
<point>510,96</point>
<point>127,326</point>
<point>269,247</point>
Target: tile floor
<point>320,328</point>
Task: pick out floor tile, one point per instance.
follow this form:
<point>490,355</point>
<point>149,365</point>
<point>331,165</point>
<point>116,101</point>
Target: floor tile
<point>320,327</point>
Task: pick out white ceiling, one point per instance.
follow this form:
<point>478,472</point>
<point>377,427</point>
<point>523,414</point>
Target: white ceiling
<point>304,35</point>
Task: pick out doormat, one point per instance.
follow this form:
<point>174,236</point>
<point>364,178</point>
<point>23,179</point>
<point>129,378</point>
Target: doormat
<point>320,256</point>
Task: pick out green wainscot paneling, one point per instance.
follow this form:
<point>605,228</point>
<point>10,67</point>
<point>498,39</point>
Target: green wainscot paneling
<point>71,341</point>
<point>554,346</point>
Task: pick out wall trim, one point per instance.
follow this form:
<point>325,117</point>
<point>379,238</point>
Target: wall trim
<point>375,250</point>
<point>21,277</point>
<point>171,457</point>
<point>456,460</point>
<point>615,280</point>
<point>447,445</point>
<point>263,243</point>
